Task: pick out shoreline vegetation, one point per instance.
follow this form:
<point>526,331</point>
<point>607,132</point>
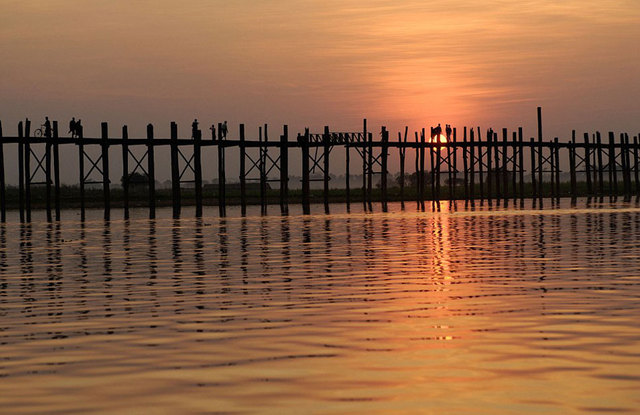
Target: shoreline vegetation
<point>70,195</point>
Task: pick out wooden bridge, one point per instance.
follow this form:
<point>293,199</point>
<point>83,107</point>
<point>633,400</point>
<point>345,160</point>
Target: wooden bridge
<point>487,167</point>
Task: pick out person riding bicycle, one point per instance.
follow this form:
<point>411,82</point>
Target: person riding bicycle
<point>47,127</point>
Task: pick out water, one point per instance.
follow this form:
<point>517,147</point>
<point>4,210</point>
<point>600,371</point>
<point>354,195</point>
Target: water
<point>512,310</point>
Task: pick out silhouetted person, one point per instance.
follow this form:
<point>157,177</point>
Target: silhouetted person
<point>194,128</point>
<point>47,127</point>
<point>435,132</point>
<point>223,131</point>
<point>72,127</point>
<point>78,128</point>
<point>213,131</point>
<point>448,130</point>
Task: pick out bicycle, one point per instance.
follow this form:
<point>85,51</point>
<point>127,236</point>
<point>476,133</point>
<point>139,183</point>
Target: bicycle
<point>40,132</point>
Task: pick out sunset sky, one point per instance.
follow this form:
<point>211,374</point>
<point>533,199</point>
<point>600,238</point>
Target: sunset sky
<point>310,63</point>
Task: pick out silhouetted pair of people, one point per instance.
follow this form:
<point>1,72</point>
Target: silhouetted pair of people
<point>75,127</point>
<point>222,133</point>
<point>436,131</point>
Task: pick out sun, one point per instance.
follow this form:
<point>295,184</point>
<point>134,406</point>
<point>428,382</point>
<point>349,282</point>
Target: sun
<point>439,139</point>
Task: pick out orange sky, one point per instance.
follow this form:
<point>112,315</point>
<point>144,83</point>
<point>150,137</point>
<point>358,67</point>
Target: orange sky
<point>312,63</point>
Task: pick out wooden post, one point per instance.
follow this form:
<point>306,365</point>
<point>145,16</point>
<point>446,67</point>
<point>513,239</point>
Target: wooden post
<point>364,163</point>
<point>175,171</point>
<point>370,169</point>
<point>383,175</point>
<point>534,184</point>
<point>402,153</point>
<point>540,159</point>
<point>556,157</point>
<point>21,170</point>
<point>521,162</point>
<point>514,163</point>
<point>151,172</point>
<point>222,199</point>
<point>600,165</point>
<point>635,164</point>
<point>480,164</point>
<point>347,172</point>
<point>422,162</point>
<point>305,171</point>
<point>125,169</point>
<point>105,171</point>
<point>449,139</point>
<point>243,175</point>
<point>613,176</point>
<point>48,175</point>
<point>56,170</point>
<point>434,195</point>
<point>489,165</point>
<point>197,171</point>
<point>325,144</point>
<point>472,164</point>
<point>27,168</point>
<point>284,171</point>
<point>417,169</point>
<point>505,165</point>
<point>572,163</point>
<point>465,163</point>
<point>498,168</point>
<point>452,196</point>
<point>3,195</point>
<point>80,142</point>
<point>624,158</point>
<point>587,163</point>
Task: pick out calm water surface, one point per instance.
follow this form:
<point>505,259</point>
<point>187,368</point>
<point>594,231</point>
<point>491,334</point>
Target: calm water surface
<point>515,310</point>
